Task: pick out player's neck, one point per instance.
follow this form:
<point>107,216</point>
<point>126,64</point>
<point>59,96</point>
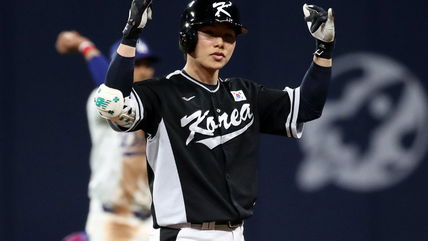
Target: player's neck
<point>201,74</point>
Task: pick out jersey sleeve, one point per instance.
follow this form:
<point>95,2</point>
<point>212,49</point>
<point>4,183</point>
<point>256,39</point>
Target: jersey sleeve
<point>145,102</point>
<point>278,111</point>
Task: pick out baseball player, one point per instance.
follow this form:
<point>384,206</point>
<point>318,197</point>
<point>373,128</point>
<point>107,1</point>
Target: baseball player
<point>119,194</point>
<point>202,130</point>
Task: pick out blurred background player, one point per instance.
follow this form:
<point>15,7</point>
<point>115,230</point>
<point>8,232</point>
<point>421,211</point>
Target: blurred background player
<point>118,190</point>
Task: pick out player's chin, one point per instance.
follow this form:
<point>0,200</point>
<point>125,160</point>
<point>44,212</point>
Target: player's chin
<point>218,64</point>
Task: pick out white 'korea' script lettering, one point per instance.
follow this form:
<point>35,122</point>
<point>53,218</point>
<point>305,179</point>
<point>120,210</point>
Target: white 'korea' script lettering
<point>224,120</point>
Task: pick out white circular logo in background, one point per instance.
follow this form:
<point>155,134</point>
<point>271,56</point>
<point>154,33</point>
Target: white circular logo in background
<point>372,133</point>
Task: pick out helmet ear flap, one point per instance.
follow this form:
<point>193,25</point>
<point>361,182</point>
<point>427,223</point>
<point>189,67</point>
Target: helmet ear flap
<point>188,40</point>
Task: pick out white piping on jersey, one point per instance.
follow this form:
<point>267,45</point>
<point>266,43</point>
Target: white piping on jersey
<point>293,128</point>
<point>194,81</point>
<point>173,73</point>
<point>198,83</point>
<point>137,106</point>
<point>168,199</point>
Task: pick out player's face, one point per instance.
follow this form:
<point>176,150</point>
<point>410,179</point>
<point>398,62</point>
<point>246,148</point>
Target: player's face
<point>143,70</point>
<point>215,46</point>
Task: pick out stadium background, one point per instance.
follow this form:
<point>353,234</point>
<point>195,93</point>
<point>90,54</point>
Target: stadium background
<point>45,143</point>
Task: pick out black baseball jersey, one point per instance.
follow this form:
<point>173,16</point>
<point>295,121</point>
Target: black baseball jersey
<point>203,141</point>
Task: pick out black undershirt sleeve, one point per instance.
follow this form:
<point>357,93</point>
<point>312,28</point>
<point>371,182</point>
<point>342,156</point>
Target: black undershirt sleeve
<point>120,74</point>
<point>313,92</point>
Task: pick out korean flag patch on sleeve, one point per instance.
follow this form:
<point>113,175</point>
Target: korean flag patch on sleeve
<point>238,95</point>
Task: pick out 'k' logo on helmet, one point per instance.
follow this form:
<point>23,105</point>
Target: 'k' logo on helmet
<point>220,8</point>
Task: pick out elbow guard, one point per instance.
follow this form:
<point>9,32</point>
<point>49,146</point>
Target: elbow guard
<point>109,102</point>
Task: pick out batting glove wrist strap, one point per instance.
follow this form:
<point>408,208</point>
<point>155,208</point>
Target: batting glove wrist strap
<point>139,13</point>
<point>132,38</point>
<point>324,49</point>
<point>321,26</point>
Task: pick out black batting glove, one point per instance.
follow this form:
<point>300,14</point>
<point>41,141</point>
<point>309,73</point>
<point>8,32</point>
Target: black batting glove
<point>139,13</point>
<point>321,26</point>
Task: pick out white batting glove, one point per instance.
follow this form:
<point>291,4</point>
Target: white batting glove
<point>321,26</point>
<point>139,13</point>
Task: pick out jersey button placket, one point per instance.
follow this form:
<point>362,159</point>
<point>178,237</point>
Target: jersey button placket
<point>217,113</point>
<point>216,110</point>
<point>216,100</point>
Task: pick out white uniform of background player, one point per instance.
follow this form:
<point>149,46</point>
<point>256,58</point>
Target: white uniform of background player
<point>118,189</point>
<point>119,193</point>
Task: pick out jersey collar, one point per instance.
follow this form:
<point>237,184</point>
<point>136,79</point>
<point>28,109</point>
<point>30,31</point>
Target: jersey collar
<point>187,76</point>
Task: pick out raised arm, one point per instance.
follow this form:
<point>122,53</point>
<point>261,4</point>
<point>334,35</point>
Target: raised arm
<point>69,42</point>
<point>113,94</point>
<point>314,87</point>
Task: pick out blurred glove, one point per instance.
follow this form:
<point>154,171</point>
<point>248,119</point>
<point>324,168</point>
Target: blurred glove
<point>68,42</point>
<point>321,26</point>
<point>139,13</point>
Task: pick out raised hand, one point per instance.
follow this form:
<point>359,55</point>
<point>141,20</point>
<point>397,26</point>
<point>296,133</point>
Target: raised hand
<point>139,13</point>
<point>68,42</point>
<point>321,25</point>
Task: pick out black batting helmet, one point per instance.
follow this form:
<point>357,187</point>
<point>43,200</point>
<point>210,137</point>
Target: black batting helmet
<point>205,12</point>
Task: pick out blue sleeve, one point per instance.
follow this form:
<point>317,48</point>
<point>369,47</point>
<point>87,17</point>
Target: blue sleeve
<point>120,74</point>
<point>98,67</point>
<point>313,92</point>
